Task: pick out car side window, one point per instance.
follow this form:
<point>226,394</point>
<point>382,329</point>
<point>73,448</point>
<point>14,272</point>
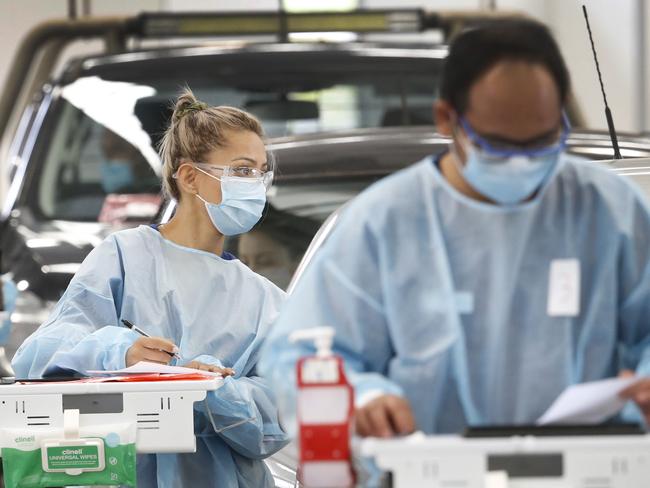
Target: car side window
<point>85,163</point>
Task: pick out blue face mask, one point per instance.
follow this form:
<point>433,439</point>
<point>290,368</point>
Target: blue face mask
<point>510,180</point>
<point>241,207</point>
<point>508,177</point>
<point>116,175</point>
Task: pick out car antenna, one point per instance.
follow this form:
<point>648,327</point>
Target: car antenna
<point>608,112</point>
<point>283,22</point>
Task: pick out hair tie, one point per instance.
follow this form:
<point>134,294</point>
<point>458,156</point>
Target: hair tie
<point>192,107</point>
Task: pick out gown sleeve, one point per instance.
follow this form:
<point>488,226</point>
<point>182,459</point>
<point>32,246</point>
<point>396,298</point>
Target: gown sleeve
<point>341,288</point>
<point>82,332</point>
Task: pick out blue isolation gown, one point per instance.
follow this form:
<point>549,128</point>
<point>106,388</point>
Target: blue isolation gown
<point>10,293</point>
<point>443,299</point>
<point>217,311</point>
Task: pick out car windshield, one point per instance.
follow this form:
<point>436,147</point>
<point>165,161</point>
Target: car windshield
<point>100,161</point>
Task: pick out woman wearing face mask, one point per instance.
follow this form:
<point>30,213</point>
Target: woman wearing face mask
<point>175,283</point>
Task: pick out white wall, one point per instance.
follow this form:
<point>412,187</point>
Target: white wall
<point>15,20</point>
<point>223,5</point>
<point>18,17</point>
<point>615,28</point>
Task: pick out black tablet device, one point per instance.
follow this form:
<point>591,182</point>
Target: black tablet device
<point>553,430</point>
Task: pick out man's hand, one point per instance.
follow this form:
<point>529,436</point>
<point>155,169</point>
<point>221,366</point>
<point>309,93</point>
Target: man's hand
<point>639,393</point>
<point>152,349</point>
<point>385,416</point>
<point>209,367</point>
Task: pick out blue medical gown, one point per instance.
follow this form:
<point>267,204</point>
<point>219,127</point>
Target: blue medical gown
<point>10,294</point>
<point>443,299</point>
<point>217,311</point>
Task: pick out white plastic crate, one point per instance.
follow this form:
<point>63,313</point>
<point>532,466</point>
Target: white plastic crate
<point>162,410</point>
<point>418,461</point>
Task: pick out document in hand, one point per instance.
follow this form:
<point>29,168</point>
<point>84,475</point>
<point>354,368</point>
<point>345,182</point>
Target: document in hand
<point>587,403</point>
<point>144,367</point>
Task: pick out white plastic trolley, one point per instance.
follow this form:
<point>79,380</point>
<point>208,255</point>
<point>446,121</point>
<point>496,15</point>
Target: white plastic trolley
<point>418,461</point>
<point>163,411</point>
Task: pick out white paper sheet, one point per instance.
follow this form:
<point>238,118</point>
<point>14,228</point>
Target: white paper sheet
<point>144,367</point>
<point>587,403</point>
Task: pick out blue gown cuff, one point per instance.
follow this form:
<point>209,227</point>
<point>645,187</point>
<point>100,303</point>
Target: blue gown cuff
<point>632,413</point>
<point>207,359</point>
<point>368,386</point>
<point>118,340</point>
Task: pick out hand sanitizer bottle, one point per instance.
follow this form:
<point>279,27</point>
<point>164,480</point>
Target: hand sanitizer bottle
<point>324,411</point>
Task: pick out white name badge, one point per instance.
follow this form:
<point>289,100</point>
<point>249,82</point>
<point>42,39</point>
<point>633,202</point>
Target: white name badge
<point>564,288</point>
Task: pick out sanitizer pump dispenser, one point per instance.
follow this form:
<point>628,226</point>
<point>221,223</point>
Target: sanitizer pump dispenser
<point>324,412</point>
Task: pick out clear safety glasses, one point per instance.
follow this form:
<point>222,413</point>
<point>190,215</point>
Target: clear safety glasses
<point>500,151</point>
<point>255,174</point>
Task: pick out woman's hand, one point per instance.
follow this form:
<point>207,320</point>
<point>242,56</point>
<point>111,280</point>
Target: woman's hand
<point>152,349</point>
<point>209,367</point>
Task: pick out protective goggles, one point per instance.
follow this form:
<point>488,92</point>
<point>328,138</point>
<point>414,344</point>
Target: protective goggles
<point>265,177</point>
<point>499,152</point>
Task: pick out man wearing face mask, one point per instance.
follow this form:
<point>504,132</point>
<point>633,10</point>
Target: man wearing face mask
<point>473,287</point>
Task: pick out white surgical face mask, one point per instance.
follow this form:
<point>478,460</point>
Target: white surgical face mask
<point>241,207</point>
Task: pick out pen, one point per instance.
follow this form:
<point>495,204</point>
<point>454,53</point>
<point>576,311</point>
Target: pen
<point>137,329</point>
